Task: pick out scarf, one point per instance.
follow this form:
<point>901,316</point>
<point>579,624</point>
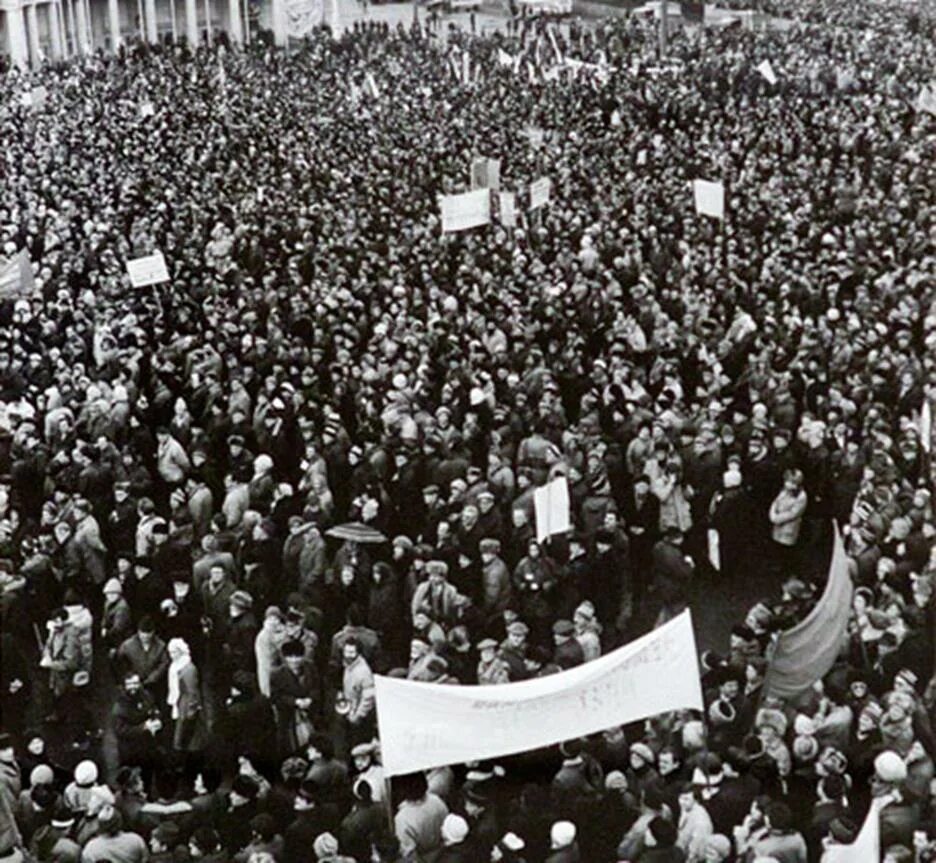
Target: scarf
<point>176,667</point>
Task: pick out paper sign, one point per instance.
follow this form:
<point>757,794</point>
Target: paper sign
<point>150,270</point>
<point>424,725</point>
<point>551,503</point>
<point>39,95</point>
<point>926,425</point>
<point>536,136</point>
<point>465,211</point>
<point>485,173</point>
<point>709,198</point>
<point>767,71</point>
<point>507,209</point>
<point>16,277</point>
<point>147,109</point>
<point>926,101</point>
<point>540,191</point>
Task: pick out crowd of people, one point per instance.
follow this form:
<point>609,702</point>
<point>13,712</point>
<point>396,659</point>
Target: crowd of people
<point>231,499</point>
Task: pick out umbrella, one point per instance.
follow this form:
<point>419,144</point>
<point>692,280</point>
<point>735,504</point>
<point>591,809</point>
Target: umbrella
<point>355,531</point>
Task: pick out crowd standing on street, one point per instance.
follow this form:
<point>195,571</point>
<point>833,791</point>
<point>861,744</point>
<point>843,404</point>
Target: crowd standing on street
<point>231,499</point>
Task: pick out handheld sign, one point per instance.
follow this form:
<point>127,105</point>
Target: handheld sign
<point>507,209</point>
<point>540,191</point>
<point>551,505</point>
<point>767,71</point>
<point>147,109</point>
<point>150,270</point>
<point>709,198</point>
<point>465,211</point>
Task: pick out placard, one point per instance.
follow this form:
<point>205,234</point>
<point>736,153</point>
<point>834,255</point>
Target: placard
<point>150,270</point>
<point>465,211</point>
<point>507,209</point>
<point>709,198</point>
<point>540,192</point>
<point>767,71</point>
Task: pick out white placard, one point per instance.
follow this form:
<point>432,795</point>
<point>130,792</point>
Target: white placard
<point>150,270</point>
<point>465,211</point>
<point>926,101</point>
<point>507,209</point>
<point>540,192</point>
<point>147,109</point>
<point>709,198</point>
<point>551,503</point>
<point>767,71</point>
<point>424,725</point>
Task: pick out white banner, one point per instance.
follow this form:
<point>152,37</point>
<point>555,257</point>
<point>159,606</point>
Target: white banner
<point>303,16</point>
<point>424,725</point>
<point>540,192</point>
<point>468,210</point>
<point>709,198</point>
<point>551,503</point>
<point>150,270</point>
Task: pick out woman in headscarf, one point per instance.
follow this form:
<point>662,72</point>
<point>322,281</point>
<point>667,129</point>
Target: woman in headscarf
<point>184,700</point>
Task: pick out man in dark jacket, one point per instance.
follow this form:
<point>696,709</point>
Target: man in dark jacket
<point>312,819</point>
<point>568,652</point>
<point>672,576</point>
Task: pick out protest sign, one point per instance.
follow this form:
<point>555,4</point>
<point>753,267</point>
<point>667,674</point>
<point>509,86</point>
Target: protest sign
<point>485,173</point>
<point>507,209</point>
<point>540,191</point>
<point>536,136</point>
<point>551,505</point>
<point>465,211</point>
<point>709,198</point>
<point>147,109</point>
<point>926,101</point>
<point>867,846</point>
<point>16,277</point>
<point>425,725</point>
<point>767,71</point>
<point>149,270</point>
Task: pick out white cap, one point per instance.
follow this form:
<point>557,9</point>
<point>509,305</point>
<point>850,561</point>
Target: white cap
<point>562,834</point>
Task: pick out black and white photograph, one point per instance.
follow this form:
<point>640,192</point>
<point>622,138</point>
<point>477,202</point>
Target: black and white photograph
<point>467,431</point>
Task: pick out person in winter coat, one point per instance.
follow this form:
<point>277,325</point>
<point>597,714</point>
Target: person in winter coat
<point>495,581</point>
<point>358,690</point>
<point>786,517</point>
<point>295,693</point>
<point>534,580</point>
<point>694,826</point>
<point>116,620</point>
<point>145,654</point>
<point>672,575</point>
<point>184,699</point>
<point>267,646</point>
<point>419,818</point>
<point>61,656</point>
<point>456,844</point>
<point>436,594</point>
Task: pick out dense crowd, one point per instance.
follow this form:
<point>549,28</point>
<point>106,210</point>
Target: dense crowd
<point>229,500</point>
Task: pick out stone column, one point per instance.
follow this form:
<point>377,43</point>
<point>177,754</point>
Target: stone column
<point>17,41</point>
<point>81,27</point>
<point>235,22</point>
<point>113,22</point>
<point>32,22</point>
<point>191,23</point>
<point>152,34</point>
<point>55,30</point>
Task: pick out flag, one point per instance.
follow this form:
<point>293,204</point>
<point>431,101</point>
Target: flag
<point>805,653</point>
<point>767,71</point>
<point>867,846</point>
<point>555,46</point>
<point>302,16</point>
<point>16,277</point>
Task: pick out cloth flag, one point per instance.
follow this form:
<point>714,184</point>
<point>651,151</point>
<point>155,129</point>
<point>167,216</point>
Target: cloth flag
<point>149,270</point>
<point>709,198</point>
<point>465,211</point>
<point>540,192</point>
<point>16,277</point>
<point>805,653</point>
<point>425,725</point>
<point>551,503</point>
<point>867,846</point>
<point>767,71</point>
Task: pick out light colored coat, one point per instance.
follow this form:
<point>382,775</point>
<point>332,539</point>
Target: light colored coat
<point>786,517</point>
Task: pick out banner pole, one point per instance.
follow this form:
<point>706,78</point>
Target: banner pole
<point>388,801</point>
